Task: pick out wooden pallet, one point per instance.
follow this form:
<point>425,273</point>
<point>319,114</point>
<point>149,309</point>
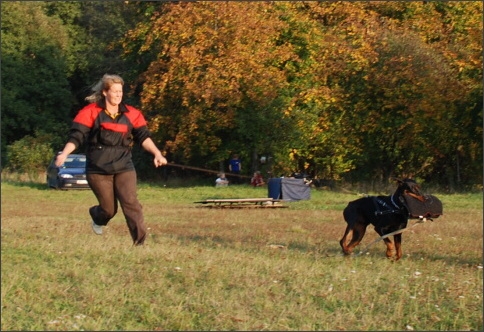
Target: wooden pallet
<point>243,203</point>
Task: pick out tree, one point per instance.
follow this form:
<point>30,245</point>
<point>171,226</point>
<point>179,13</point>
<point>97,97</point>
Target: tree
<point>35,90</point>
<point>339,90</point>
<point>448,95</point>
<point>94,30</point>
<point>214,86</point>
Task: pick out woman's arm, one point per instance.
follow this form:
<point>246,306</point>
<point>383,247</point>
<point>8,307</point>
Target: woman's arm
<point>150,146</point>
<point>61,157</point>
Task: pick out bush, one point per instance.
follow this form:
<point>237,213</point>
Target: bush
<point>29,154</point>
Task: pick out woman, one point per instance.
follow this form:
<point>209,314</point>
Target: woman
<point>110,127</point>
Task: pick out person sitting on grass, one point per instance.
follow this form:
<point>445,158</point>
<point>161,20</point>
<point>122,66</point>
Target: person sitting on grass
<point>221,181</point>
<point>257,180</point>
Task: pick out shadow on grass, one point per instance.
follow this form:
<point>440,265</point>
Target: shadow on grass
<point>318,250</point>
<point>449,259</point>
<point>29,184</point>
<point>251,243</point>
<point>206,240</point>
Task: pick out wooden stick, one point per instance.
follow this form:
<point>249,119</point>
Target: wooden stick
<point>207,170</point>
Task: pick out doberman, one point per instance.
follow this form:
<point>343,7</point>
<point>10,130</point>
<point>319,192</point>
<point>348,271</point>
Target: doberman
<point>386,213</point>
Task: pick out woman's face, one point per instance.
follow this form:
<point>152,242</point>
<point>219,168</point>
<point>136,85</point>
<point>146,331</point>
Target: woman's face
<point>114,95</point>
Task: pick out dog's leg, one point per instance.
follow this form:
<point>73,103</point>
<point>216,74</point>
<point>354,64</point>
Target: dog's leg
<point>390,247</point>
<point>344,240</point>
<point>358,233</point>
<point>388,242</point>
<point>349,215</point>
<point>397,238</point>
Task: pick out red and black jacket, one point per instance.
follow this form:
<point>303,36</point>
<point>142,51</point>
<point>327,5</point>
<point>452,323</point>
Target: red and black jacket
<point>109,140</point>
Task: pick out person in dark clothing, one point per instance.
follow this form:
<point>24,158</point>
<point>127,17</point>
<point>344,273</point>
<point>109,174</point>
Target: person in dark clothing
<point>110,128</point>
<point>235,166</point>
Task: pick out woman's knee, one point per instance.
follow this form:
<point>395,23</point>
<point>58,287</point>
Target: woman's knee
<point>108,212</point>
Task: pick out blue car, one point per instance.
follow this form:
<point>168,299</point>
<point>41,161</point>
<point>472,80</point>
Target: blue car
<point>71,175</point>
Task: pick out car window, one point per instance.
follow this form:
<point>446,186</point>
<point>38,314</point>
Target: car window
<point>71,162</point>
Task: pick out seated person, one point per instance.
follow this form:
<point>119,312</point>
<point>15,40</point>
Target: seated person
<point>221,181</point>
<point>257,180</point>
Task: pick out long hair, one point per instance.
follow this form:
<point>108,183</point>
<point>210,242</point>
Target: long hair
<point>104,84</point>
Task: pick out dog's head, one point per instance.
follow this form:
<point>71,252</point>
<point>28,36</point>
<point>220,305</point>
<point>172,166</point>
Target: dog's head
<point>409,187</point>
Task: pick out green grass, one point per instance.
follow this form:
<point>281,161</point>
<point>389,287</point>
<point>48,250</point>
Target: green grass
<point>232,269</point>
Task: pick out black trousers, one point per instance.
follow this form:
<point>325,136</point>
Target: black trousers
<point>111,188</point>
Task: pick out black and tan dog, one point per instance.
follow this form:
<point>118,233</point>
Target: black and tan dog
<point>387,214</point>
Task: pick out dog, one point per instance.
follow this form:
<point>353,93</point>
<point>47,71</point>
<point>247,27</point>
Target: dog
<point>386,213</point>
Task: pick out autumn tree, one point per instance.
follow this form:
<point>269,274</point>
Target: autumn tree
<point>217,83</point>
<point>441,50</point>
<point>337,57</point>
<point>352,91</point>
<point>399,94</point>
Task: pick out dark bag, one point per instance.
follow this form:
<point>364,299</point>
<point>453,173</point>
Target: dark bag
<point>430,208</point>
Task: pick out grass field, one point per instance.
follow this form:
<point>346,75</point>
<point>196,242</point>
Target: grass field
<point>232,269</point>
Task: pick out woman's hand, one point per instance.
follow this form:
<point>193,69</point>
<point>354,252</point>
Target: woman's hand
<point>160,160</point>
<point>150,146</point>
<point>61,157</point>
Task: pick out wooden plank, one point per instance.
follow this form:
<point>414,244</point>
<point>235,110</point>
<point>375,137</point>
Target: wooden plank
<point>243,203</point>
<point>243,206</point>
<point>239,200</point>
